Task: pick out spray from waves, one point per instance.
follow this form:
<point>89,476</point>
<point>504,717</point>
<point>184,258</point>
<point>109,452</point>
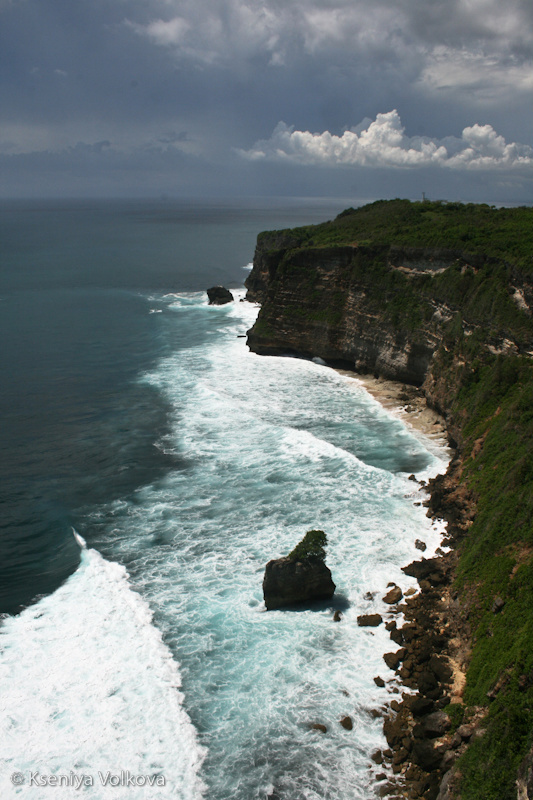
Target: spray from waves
<point>270,448</point>
<point>91,690</point>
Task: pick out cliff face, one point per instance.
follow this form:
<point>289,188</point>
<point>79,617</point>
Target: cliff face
<point>365,292</point>
<point>368,308</point>
<point>313,306</point>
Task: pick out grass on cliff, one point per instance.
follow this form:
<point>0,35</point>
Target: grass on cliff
<point>496,563</point>
<point>500,239</point>
<point>501,233</point>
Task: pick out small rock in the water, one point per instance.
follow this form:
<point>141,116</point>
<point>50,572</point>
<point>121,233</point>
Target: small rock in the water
<point>379,681</point>
<point>347,723</point>
<point>369,620</point>
<point>337,616</point>
<point>317,726</point>
<point>394,596</point>
<point>410,592</point>
<point>300,577</point>
<point>392,660</point>
<point>219,295</point>
<point>420,545</point>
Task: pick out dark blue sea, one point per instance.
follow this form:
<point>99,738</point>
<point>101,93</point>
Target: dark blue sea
<point>150,467</point>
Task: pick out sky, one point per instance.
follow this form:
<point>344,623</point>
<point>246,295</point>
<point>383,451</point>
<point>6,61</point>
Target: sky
<point>227,98</point>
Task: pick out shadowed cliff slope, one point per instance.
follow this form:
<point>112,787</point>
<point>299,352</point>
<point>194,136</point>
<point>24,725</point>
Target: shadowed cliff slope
<point>441,296</point>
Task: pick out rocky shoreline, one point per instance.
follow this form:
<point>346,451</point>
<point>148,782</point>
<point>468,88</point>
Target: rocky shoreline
<point>424,740</point>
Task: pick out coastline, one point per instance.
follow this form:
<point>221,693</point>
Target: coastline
<point>388,289</point>
<point>423,740</point>
<point>405,401</point>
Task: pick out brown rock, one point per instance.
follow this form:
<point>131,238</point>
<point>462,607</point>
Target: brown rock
<point>498,605</point>
<point>290,582</point>
<point>420,706</point>
<point>425,755</point>
<point>392,660</point>
<point>465,732</point>
<point>347,723</point>
<point>394,729</point>
<point>393,596</point>
<point>317,726</point>
<point>219,295</point>
<point>436,724</point>
<point>369,620</point>
<point>440,668</point>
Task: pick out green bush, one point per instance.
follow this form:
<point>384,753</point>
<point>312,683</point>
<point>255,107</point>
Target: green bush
<point>312,544</point>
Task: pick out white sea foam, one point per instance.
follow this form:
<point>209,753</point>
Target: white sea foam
<point>90,689</point>
<point>268,448</point>
<point>275,447</point>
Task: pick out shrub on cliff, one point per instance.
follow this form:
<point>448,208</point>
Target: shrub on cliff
<point>312,544</point>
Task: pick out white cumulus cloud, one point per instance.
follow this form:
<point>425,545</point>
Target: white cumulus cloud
<point>383,143</point>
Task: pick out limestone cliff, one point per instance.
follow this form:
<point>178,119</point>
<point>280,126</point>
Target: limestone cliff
<point>319,302</point>
<point>440,296</point>
<point>384,309</point>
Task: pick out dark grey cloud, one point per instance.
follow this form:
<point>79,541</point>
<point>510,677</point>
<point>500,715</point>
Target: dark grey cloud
<point>187,83</point>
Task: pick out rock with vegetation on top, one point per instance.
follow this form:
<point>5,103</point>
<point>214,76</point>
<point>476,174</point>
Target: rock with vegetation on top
<point>219,295</point>
<point>300,577</point>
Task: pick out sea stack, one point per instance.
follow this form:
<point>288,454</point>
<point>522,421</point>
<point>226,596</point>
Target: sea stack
<point>300,577</point>
<point>219,295</point>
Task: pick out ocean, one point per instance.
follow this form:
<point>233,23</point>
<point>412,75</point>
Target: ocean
<point>150,467</point>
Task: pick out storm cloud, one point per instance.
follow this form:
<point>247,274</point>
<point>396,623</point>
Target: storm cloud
<point>180,91</point>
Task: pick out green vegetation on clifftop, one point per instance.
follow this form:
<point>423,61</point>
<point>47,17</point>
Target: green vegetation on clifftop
<point>502,233</point>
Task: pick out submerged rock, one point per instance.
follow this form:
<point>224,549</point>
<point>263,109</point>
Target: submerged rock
<point>219,295</point>
<point>317,726</point>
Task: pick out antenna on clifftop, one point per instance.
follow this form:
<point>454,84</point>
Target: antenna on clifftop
<point>423,197</point>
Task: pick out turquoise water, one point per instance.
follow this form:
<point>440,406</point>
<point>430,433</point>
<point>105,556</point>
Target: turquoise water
<point>156,655</point>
